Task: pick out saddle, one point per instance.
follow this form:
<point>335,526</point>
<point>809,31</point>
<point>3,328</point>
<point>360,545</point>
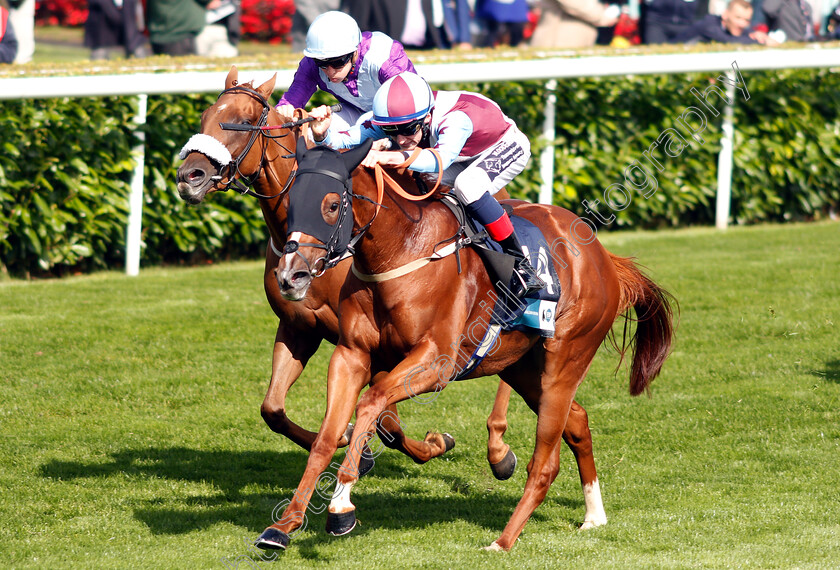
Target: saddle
<point>535,311</point>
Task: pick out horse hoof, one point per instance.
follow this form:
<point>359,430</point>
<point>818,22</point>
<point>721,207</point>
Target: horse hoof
<point>347,437</point>
<point>449,441</point>
<point>366,462</point>
<point>503,470</point>
<point>339,524</point>
<point>272,539</point>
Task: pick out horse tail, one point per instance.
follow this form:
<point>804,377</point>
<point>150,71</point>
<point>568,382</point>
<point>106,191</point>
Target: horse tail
<point>654,334</point>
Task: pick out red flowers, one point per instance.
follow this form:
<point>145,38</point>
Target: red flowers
<point>267,20</point>
<point>61,12</point>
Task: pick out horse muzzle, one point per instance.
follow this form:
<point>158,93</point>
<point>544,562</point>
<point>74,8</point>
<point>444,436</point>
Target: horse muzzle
<point>197,176</point>
<point>293,282</point>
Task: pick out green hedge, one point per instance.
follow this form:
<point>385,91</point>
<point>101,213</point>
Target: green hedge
<point>66,165</point>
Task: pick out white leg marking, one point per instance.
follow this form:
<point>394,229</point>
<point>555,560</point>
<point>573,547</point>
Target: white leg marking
<point>340,502</point>
<point>595,514</point>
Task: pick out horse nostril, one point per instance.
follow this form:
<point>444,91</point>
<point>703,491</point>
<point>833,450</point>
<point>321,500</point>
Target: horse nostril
<point>196,174</point>
<point>300,275</point>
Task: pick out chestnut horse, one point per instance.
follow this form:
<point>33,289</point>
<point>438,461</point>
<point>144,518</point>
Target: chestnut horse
<point>266,162</point>
<point>408,315</point>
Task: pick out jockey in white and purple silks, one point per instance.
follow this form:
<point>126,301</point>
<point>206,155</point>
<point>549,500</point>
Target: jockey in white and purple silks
<point>481,150</point>
<point>342,60</point>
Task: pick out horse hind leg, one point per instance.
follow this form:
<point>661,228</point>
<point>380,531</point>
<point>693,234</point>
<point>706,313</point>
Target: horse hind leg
<point>550,395</point>
<point>579,439</point>
<point>500,456</point>
<point>576,435</point>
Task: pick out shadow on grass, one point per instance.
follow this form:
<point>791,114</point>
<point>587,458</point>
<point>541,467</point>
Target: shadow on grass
<point>831,372</point>
<point>250,485</point>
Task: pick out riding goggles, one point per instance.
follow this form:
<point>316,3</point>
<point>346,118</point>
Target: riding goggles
<point>405,129</point>
<point>334,62</point>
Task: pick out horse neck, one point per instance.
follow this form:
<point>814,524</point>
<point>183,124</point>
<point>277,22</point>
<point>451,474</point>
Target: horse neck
<point>402,231</point>
<point>273,177</point>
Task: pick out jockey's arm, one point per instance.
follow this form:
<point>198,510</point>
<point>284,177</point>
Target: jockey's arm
<point>350,138</point>
<point>303,86</point>
<point>452,134</point>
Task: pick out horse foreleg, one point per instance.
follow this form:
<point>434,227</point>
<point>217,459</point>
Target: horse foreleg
<point>412,377</point>
<point>499,454</point>
<point>579,439</point>
<point>347,375</point>
<point>292,350</point>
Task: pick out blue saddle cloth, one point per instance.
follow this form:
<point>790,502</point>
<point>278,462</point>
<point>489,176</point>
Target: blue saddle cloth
<point>535,312</point>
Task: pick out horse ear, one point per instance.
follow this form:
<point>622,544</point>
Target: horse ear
<point>232,77</point>
<point>300,149</point>
<point>267,88</point>
<point>353,158</point>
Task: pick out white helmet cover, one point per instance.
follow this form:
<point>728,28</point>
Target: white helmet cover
<point>402,99</point>
<point>332,34</point>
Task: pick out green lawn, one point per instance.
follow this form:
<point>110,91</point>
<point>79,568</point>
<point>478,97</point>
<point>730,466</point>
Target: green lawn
<point>131,433</point>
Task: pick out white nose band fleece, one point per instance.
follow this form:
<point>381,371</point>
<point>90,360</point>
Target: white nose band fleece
<point>209,147</point>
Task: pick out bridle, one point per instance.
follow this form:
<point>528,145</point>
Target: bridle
<point>236,179</point>
<point>336,246</point>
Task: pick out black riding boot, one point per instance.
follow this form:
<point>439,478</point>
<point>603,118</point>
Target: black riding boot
<point>526,280</point>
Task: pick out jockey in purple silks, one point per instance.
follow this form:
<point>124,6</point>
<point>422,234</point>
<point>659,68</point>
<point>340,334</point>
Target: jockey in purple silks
<point>346,62</point>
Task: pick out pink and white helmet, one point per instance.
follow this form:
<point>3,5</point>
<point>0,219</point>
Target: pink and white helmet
<point>402,99</point>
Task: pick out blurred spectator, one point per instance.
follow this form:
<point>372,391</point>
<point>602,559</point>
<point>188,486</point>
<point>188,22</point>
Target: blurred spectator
<point>730,27</point>
<point>793,17</point>
<point>220,37</point>
<point>174,24</point>
<point>114,23</point>
<point>22,17</point>
<point>386,16</point>
<point>305,12</point>
<point>504,20</point>
<point>832,24</point>
<point>572,23</point>
<point>424,25</point>
<point>664,20</point>
<point>418,24</point>
<point>457,16</point>
<point>607,33</point>
<point>8,41</point>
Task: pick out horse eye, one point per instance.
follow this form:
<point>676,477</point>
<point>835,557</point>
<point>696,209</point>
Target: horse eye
<point>333,206</point>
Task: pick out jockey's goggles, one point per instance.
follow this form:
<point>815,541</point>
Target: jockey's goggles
<point>404,129</point>
<point>334,62</point>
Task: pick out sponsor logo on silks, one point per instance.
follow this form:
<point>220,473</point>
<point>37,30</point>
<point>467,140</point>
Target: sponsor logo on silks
<point>493,165</point>
<point>538,315</point>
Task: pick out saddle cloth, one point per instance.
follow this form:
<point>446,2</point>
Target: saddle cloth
<point>534,312</point>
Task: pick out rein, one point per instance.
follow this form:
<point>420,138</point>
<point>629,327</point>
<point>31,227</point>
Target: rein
<point>383,179</point>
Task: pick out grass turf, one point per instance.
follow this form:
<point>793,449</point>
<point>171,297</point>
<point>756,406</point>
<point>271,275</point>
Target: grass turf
<point>131,434</point>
